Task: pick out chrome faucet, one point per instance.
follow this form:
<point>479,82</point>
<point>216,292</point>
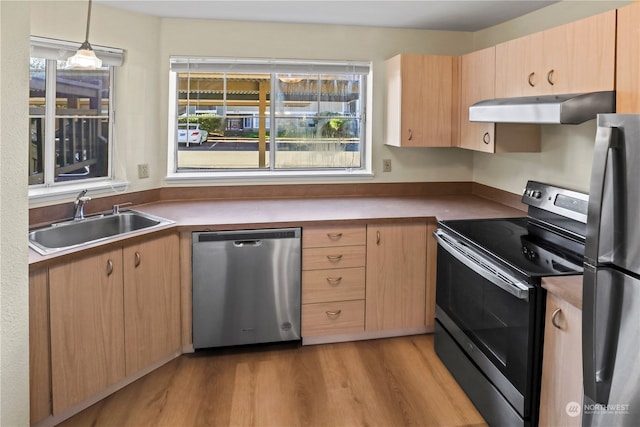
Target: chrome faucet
<point>78,211</point>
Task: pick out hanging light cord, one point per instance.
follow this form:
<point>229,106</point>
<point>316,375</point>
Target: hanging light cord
<point>86,37</point>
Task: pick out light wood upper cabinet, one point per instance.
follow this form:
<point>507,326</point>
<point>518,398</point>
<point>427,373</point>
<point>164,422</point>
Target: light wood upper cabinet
<point>396,276</point>
<point>151,301</point>
<point>87,327</point>
<point>420,100</point>
<point>477,83</point>
<point>573,58</point>
<point>628,60</point>
<point>561,363</point>
<point>519,67</point>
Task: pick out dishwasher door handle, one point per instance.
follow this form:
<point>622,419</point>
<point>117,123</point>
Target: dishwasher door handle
<point>243,243</point>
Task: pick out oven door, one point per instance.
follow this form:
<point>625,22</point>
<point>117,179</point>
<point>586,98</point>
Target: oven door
<point>491,315</point>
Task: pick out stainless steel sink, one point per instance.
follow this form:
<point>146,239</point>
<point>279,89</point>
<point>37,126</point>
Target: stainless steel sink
<point>77,233</point>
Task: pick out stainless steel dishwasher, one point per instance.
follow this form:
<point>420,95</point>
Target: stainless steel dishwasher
<point>246,287</point>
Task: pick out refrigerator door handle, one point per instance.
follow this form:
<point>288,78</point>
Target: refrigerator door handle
<point>601,311</point>
<point>606,139</point>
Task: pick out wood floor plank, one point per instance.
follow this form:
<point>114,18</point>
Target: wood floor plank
<point>386,382</point>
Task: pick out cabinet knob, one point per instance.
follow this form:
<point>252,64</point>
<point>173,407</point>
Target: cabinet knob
<point>554,318</point>
<point>410,134</point>
<point>486,138</point>
<point>109,267</point>
<point>137,258</point>
<point>531,80</point>
<point>550,77</point>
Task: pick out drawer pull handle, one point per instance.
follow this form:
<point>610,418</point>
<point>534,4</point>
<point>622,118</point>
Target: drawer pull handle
<point>378,237</point>
<point>334,281</point>
<point>137,259</point>
<point>410,134</point>
<point>334,258</point>
<point>334,236</point>
<point>550,77</point>
<point>531,82</point>
<point>486,138</point>
<point>554,316</point>
<point>333,314</point>
<point>109,267</point>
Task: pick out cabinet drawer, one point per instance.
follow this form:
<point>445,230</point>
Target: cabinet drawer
<point>330,258</point>
<point>332,318</point>
<point>345,235</point>
<point>340,284</point>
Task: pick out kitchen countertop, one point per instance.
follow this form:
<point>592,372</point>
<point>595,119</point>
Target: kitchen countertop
<point>568,288</point>
<point>269,213</point>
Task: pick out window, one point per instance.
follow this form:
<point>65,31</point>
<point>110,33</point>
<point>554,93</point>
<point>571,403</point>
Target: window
<point>268,116</point>
<point>70,114</point>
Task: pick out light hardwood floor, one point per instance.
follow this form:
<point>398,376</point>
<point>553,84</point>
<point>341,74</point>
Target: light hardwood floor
<point>386,382</point>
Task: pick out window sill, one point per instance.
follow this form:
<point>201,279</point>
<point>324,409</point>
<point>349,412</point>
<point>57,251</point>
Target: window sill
<point>65,191</point>
<point>263,177</point>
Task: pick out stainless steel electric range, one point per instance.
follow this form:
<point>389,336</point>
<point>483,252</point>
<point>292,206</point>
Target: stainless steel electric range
<point>490,303</point>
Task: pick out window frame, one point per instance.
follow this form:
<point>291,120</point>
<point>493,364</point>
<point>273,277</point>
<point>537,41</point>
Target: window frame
<point>51,51</point>
<point>230,65</point>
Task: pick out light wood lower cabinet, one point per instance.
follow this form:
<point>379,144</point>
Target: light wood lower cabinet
<point>151,301</point>
<point>561,364</point>
<point>39,353</point>
<point>333,280</point>
<point>112,314</point>
<point>87,327</point>
<point>396,276</point>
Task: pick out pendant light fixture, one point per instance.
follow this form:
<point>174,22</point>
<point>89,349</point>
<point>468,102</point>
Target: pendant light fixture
<point>85,57</point>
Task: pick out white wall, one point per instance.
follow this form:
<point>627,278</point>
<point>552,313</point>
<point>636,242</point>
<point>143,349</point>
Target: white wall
<point>14,286</point>
<point>138,81</point>
<point>142,82</point>
<point>263,40</point>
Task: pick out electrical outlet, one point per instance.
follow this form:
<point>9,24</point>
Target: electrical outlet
<point>143,170</point>
<point>386,165</point>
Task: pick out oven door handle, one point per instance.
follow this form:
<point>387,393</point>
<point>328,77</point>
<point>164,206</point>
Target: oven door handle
<point>494,274</point>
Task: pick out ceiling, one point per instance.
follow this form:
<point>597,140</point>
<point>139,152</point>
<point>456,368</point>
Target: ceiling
<point>452,15</point>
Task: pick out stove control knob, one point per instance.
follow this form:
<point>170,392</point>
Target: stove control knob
<point>536,194</point>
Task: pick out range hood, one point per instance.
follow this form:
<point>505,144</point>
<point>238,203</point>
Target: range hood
<point>570,109</point>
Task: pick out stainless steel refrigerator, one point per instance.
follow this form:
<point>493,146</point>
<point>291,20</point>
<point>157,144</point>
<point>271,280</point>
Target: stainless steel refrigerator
<point>611,293</point>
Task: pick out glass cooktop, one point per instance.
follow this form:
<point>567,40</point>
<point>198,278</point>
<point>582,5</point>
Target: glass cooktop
<point>525,246</point>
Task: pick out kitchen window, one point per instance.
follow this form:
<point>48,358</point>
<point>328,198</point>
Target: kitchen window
<point>70,117</point>
<point>234,117</point>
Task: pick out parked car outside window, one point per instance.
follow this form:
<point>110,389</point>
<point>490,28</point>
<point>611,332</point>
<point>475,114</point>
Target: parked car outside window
<point>194,134</point>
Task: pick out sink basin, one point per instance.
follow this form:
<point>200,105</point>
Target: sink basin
<point>76,233</point>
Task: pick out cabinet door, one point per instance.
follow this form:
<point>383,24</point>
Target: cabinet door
<point>580,56</point>
<point>87,327</point>
<point>151,301</point>
<point>519,67</point>
<point>628,60</point>
<point>477,83</point>
<point>419,100</point>
<point>39,357</point>
<point>396,276</point>
<point>561,364</point>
